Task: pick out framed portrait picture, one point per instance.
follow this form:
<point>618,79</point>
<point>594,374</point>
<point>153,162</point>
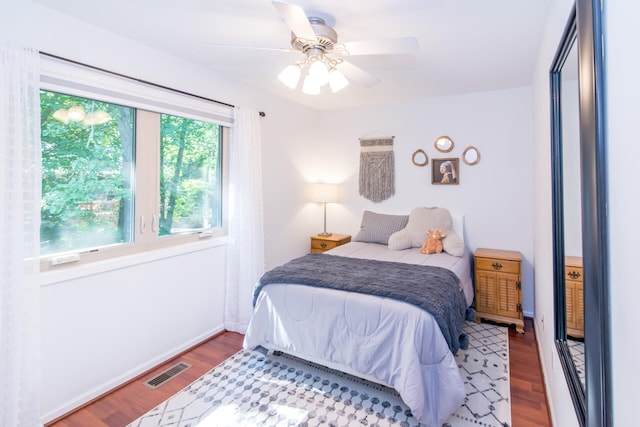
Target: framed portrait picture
<point>445,171</point>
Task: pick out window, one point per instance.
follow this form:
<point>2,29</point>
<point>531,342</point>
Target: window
<point>87,173</point>
<point>120,176</point>
<point>190,190</point>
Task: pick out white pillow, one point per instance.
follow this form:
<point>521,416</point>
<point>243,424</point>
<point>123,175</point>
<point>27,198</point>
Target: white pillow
<point>422,219</point>
<point>400,240</point>
<point>458,224</point>
<point>453,244</point>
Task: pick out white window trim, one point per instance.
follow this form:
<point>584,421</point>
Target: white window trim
<point>69,272</point>
<point>66,77</point>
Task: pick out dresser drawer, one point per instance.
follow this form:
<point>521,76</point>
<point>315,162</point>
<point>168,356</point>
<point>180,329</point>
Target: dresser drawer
<point>499,265</point>
<point>573,273</point>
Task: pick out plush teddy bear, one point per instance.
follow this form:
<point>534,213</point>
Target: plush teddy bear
<point>433,245</point>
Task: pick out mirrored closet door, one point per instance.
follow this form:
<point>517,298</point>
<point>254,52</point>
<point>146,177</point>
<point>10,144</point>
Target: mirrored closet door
<point>579,214</point>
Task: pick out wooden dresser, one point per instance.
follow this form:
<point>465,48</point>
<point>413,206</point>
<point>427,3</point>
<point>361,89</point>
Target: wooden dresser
<point>324,243</point>
<point>499,287</point>
<point>574,296</point>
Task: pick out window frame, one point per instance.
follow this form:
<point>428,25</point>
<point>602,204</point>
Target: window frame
<point>149,103</point>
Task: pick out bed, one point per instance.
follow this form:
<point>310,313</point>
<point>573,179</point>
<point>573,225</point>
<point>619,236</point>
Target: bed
<point>365,329</point>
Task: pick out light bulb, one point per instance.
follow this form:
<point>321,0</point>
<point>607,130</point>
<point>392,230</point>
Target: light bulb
<point>61,115</point>
<point>337,81</point>
<point>76,113</point>
<point>290,76</point>
<point>310,86</point>
<point>89,120</point>
<point>318,70</point>
<point>101,117</point>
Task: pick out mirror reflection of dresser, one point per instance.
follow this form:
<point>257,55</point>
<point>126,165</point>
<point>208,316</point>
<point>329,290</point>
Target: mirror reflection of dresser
<point>575,297</point>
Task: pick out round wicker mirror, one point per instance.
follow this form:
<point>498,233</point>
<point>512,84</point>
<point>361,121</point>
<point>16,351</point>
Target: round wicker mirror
<point>444,144</point>
<point>471,155</point>
<point>420,158</point>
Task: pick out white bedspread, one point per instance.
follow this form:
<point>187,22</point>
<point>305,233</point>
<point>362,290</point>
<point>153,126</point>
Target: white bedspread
<point>387,341</point>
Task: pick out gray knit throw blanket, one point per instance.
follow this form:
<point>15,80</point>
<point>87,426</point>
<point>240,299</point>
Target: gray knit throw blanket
<point>377,169</point>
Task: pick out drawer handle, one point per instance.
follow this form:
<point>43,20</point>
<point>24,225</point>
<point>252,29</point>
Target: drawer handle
<point>496,266</point>
<point>323,245</point>
<point>574,274</point>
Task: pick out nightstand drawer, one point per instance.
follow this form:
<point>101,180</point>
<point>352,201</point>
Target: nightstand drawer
<point>500,265</point>
<point>324,243</point>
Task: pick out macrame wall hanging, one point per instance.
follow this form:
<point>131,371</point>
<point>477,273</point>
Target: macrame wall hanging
<point>377,168</point>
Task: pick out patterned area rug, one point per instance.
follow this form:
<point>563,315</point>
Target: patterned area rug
<point>254,389</point>
<point>576,348</point>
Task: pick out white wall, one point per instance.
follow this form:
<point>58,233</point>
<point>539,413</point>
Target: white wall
<point>572,205</point>
<point>117,319</point>
<point>622,30</point>
<point>103,324</point>
<point>558,397</point>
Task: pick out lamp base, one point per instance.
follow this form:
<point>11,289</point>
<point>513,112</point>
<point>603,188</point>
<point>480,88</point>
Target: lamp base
<point>324,234</point>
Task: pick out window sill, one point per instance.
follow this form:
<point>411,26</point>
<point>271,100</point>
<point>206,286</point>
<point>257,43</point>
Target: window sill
<point>52,277</point>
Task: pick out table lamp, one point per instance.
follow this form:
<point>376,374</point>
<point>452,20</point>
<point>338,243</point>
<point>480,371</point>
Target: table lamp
<point>325,193</point>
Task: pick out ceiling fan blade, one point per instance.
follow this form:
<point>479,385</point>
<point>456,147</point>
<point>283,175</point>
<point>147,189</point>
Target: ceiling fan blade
<point>357,74</point>
<point>296,19</point>
<point>402,45</point>
<point>231,46</point>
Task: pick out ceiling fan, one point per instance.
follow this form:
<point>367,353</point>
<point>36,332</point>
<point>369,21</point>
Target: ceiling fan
<point>324,59</point>
<point>324,55</point>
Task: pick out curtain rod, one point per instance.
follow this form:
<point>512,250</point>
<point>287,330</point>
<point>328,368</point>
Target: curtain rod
<point>262,114</point>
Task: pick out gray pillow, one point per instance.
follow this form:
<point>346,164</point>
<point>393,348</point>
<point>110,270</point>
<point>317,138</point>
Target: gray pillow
<point>376,228</point>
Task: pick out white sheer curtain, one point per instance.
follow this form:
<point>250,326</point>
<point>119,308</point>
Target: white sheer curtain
<point>245,250</point>
<point>20,190</point>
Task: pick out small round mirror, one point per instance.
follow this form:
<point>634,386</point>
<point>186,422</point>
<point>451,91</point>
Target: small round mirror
<point>444,144</point>
<point>471,156</point>
<point>420,158</point>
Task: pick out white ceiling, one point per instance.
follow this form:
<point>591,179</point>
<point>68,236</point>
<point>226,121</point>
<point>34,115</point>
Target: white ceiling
<point>465,45</point>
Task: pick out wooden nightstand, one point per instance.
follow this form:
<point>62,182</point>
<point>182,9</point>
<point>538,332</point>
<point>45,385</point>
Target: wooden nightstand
<point>499,287</point>
<point>324,243</point>
<point>574,296</point>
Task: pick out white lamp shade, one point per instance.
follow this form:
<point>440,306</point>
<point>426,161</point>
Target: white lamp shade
<point>76,113</point>
<point>337,81</point>
<point>97,118</point>
<point>61,115</point>
<point>310,86</point>
<point>290,76</point>
<point>320,73</point>
<point>325,193</point>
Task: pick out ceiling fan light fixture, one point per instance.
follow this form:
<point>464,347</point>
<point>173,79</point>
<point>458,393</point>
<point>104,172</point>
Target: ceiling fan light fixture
<point>337,81</point>
<point>318,42</point>
<point>310,86</point>
<point>318,70</point>
<point>290,76</point>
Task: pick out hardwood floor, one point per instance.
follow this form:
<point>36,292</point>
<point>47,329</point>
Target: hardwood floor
<point>127,403</point>
<point>528,396</point>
